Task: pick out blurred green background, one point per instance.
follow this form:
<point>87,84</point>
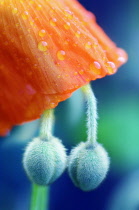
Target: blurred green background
<point>118,128</point>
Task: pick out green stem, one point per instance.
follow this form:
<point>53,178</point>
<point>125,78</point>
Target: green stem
<point>91,113</point>
<point>40,194</point>
<point>40,197</point>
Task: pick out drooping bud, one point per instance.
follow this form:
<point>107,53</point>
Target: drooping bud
<point>44,160</point>
<point>88,165</point>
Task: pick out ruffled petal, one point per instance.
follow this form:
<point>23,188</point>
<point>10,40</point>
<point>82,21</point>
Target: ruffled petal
<point>48,50</point>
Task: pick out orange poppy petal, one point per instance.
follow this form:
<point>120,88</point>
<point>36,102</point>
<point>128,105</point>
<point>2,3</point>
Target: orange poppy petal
<point>48,50</point>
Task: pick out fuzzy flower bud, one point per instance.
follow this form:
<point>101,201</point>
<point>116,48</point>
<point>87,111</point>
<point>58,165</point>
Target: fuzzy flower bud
<point>88,165</point>
<point>44,160</point>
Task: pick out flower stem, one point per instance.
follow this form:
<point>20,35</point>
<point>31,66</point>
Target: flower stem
<point>91,113</point>
<point>47,122</point>
<point>40,197</point>
<point>40,194</point>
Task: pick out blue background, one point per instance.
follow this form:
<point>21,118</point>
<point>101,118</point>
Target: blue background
<point>118,130</point>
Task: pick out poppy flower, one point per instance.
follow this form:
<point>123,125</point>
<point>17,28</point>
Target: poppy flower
<point>49,48</point>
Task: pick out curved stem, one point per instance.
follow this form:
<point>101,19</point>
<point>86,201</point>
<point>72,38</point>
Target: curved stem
<point>91,113</point>
<point>47,121</point>
<point>39,200</point>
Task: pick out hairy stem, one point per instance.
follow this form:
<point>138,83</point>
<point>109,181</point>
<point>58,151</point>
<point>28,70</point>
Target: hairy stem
<point>47,121</point>
<point>91,113</point>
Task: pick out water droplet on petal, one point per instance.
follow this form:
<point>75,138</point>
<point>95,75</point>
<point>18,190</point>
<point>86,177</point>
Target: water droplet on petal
<point>39,7</point>
<point>97,65</point>
<point>53,22</point>
<point>35,66</point>
<point>67,25</point>
<point>81,72</point>
<point>42,46</point>
<point>95,45</point>
<point>25,15</point>
<point>31,23</point>
<point>42,33</point>
<point>84,23</point>
<point>61,55</point>
<point>122,59</point>
<point>111,67</point>
<point>1,2</point>
<point>78,34</point>
<point>31,2</point>
<point>76,86</point>
<point>88,45</point>
<point>15,10</point>
<point>87,79</point>
<point>52,105</point>
<point>59,76</point>
<point>17,25</point>
<point>69,14</point>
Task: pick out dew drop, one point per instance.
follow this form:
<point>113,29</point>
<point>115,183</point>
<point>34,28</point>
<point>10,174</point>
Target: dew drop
<point>76,86</point>
<point>95,67</point>
<point>17,25</point>
<point>35,66</point>
<point>42,33</point>
<point>52,105</point>
<point>88,45</point>
<point>58,100</point>
<point>57,64</point>
<point>67,25</point>
<point>25,15</point>
<point>95,45</point>
<point>111,67</point>
<point>69,14</point>
<point>81,72</point>
<point>39,7</point>
<point>42,46</point>
<point>53,22</point>
<point>87,79</point>
<point>78,34</point>
<point>61,55</point>
<point>66,42</point>
<point>1,2</point>
<point>111,64</point>
<point>52,10</point>
<point>84,23</point>
<point>31,23</point>
<point>31,2</point>
<point>14,11</point>
<point>122,59</point>
<point>75,73</point>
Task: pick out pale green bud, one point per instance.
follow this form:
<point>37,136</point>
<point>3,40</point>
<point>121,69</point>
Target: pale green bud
<point>44,160</point>
<point>88,165</point>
